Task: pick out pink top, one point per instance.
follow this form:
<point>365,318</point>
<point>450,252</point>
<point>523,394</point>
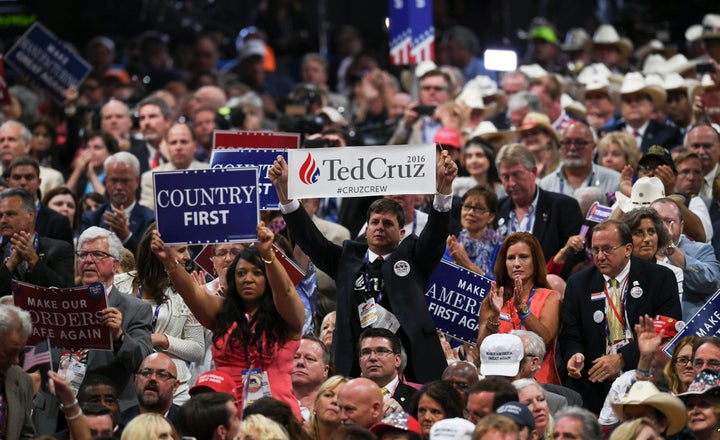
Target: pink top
<point>278,362</point>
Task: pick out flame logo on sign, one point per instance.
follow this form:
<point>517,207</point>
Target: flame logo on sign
<point>309,172</point>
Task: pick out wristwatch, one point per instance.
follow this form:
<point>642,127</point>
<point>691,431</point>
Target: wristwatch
<point>670,249</point>
<point>523,309</point>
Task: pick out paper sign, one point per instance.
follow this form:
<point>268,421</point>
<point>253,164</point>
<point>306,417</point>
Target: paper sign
<point>361,171</point>
<point>224,139</point>
<point>69,318</point>
<point>262,159</point>
<point>598,213</point>
<point>454,295</point>
<point>215,205</point>
<point>706,322</point>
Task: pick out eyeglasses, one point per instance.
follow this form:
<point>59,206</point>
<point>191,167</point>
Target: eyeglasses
<point>380,352</point>
<point>222,254</point>
<point>163,375</point>
<point>94,255</point>
<point>579,144</point>
<point>682,361</point>
<point>648,168</point>
<point>475,209</point>
<point>712,364</point>
<point>607,250</point>
<point>702,404</point>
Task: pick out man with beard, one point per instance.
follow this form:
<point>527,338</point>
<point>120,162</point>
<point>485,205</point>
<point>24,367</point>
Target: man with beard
<point>155,385</point>
<point>122,215</point>
<point>578,169</point>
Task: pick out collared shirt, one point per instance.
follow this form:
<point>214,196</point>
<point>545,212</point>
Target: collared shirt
<point>640,131</point>
<point>429,127</point>
<point>599,176</point>
<point>391,387</point>
<point>621,277</point>
<point>527,223</point>
<point>708,180</point>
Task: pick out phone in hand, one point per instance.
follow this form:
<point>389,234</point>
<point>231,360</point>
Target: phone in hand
<point>703,68</point>
<point>425,110</point>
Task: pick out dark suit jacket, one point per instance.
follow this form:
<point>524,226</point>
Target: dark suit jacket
<point>18,398</point>
<point>140,218</point>
<point>49,223</point>
<point>139,150</point>
<point>656,134</point>
<point>403,395</point>
<point>406,294</point>
<point>56,267</point>
<point>580,333</point>
<point>557,218</point>
<point>134,411</point>
<point>119,365</point>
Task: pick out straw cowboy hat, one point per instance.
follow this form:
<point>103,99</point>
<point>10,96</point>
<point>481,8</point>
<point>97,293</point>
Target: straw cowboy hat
<point>538,120</point>
<point>606,34</point>
<point>644,191</point>
<point>634,82</point>
<point>645,393</point>
<point>487,131</point>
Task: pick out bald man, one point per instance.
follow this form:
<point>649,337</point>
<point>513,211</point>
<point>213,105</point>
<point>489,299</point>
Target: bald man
<point>361,403</point>
<point>462,376</point>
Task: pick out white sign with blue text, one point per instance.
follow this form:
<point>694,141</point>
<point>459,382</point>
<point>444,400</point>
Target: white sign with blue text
<point>361,171</point>
<point>215,205</point>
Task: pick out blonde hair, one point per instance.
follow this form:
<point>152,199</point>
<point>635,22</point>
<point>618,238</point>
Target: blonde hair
<point>265,428</point>
<point>629,430</point>
<point>148,426</point>
<point>331,383</point>
<point>494,422</point>
<point>626,142</point>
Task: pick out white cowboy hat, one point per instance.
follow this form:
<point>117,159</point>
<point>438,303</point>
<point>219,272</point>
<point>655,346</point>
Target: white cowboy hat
<point>533,71</point>
<point>596,69</point>
<point>596,83</point>
<point>576,39</point>
<point>645,393</point>
<point>679,63</point>
<point>693,33</point>
<point>572,106</point>
<point>711,26</point>
<point>606,34</point>
<point>654,63</point>
<point>634,82</point>
<point>644,191</point>
<point>673,81</point>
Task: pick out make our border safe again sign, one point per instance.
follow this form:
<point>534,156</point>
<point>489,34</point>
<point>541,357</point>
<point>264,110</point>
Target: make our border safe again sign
<point>361,171</point>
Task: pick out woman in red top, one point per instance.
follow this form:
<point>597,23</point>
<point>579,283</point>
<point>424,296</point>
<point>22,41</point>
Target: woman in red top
<point>521,298</point>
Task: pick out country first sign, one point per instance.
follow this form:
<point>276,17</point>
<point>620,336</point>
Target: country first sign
<point>361,171</point>
<point>216,205</point>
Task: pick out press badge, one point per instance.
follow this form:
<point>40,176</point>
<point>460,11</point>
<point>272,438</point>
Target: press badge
<point>505,317</point>
<point>72,370</point>
<point>386,319</point>
<point>256,385</point>
<point>367,310</point>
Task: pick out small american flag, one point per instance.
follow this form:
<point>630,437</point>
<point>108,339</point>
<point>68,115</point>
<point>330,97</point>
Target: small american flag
<point>38,354</point>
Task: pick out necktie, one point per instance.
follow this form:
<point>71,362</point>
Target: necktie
<point>385,391</point>
<point>614,324</point>
<point>379,259</point>
<point>155,160</point>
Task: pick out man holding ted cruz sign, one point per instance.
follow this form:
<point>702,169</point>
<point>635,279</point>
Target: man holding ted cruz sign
<point>381,283</point>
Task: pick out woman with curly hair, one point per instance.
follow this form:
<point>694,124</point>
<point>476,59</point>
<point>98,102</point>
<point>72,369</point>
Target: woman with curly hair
<point>256,327</point>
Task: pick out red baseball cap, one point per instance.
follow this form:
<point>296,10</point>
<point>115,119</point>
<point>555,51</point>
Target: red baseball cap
<point>448,136</point>
<point>216,381</point>
<point>400,420</point>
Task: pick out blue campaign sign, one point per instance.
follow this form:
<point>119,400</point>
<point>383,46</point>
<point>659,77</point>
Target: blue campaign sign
<point>206,206</point>
<point>454,295</point>
<point>706,322</point>
<point>262,159</point>
<point>47,61</point>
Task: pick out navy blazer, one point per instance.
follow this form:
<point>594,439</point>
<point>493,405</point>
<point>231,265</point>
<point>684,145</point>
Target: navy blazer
<point>56,267</point>
<point>140,218</point>
<point>119,365</point>
<point>49,223</point>
<point>426,360</point>
<point>581,333</point>
<point>557,218</point>
<point>656,133</point>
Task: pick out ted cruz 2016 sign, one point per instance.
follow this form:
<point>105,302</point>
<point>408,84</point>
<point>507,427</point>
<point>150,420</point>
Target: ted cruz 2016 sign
<point>705,322</point>
<point>262,159</point>
<point>454,295</point>
<point>215,205</point>
<point>361,171</point>
<point>69,318</point>
<point>45,59</point>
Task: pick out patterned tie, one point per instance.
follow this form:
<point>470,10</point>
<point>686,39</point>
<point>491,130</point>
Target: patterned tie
<point>614,324</point>
<point>385,391</point>
<point>155,160</point>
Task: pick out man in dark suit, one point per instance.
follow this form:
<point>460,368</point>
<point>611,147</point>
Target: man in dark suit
<point>602,304</point>
<point>27,256</point>
<point>380,359</point>
<point>24,172</point>
<point>551,217</point>
<point>393,285</point>
<point>638,100</point>
<point>123,215</point>
<point>129,319</point>
<point>17,388</point>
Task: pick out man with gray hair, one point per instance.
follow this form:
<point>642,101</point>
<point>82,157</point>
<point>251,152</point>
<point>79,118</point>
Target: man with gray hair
<point>574,423</point>
<point>122,214</point>
<point>16,394</point>
<point>28,257</point>
<point>15,142</point>
<point>551,217</point>
<point>520,104</point>
<point>129,319</point>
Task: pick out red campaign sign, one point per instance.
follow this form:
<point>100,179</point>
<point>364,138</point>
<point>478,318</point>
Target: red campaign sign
<point>70,318</point>
<point>204,259</point>
<point>4,93</point>
<point>224,139</point>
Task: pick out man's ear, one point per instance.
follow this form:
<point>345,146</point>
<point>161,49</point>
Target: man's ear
<point>402,233</point>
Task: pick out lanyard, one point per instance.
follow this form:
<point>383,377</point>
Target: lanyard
<point>250,364</point>
<point>156,314</point>
<point>562,182</point>
<point>621,288</point>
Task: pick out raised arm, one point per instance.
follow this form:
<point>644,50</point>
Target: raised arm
<point>287,301</point>
<point>204,307</point>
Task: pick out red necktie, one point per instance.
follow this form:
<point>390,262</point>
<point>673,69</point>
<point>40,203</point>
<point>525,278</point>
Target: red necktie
<point>156,160</point>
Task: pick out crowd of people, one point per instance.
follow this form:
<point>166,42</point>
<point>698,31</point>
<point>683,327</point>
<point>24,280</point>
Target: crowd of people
<point>571,336</point>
